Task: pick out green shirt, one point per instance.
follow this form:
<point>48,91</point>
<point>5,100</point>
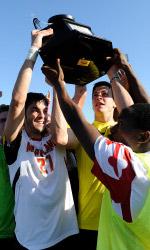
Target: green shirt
<point>7,223</point>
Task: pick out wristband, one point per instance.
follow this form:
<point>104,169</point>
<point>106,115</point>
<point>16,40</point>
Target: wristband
<point>32,53</point>
<point>117,75</point>
<point>115,78</point>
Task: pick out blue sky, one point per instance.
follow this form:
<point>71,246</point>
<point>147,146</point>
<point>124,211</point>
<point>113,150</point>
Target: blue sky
<point>125,23</point>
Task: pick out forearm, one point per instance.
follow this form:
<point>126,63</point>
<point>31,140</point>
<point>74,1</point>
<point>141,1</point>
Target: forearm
<point>15,117</point>
<point>121,96</point>
<point>58,123</point>
<point>24,78</point>
<point>22,83</point>
<point>132,84</point>
<point>136,89</point>
<point>80,95</point>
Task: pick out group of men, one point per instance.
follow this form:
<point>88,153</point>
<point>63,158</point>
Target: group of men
<point>112,161</point>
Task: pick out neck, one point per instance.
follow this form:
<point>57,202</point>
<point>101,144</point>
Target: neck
<point>102,117</point>
<point>34,134</point>
<point>143,148</point>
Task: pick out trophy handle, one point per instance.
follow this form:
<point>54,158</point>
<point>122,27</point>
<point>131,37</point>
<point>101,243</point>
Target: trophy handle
<point>36,23</point>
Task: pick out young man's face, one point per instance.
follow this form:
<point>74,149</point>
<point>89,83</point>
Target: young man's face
<point>36,118</point>
<point>102,100</point>
<point>3,117</point>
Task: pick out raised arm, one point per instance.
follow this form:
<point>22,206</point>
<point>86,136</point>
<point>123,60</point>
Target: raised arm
<point>80,95</point>
<point>62,135</point>
<point>15,118</point>
<point>133,85</point>
<point>85,132</point>
<point>121,96</point>
<point>58,123</point>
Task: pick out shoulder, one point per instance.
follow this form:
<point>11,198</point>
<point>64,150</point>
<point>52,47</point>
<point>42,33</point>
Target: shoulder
<point>117,151</point>
<point>11,149</point>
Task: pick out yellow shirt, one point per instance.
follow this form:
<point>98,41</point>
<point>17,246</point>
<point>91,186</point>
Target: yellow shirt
<point>117,234</point>
<point>90,188</point>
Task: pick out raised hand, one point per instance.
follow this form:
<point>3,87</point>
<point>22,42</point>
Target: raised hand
<point>118,61</point>
<point>37,35</point>
<point>119,58</point>
<point>121,77</point>
<point>54,76</point>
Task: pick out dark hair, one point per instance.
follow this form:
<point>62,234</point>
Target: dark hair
<point>33,98</point>
<point>4,108</point>
<point>137,117</point>
<point>101,83</point>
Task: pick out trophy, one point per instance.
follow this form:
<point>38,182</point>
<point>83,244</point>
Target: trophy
<point>82,54</point>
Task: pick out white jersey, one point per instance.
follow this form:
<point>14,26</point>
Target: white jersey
<point>44,208</point>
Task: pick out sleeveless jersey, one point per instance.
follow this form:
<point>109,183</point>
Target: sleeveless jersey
<point>44,208</point>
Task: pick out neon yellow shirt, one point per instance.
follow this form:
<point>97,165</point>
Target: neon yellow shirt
<point>90,188</point>
<point>117,234</point>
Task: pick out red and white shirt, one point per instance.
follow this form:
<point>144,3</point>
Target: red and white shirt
<point>125,176</point>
